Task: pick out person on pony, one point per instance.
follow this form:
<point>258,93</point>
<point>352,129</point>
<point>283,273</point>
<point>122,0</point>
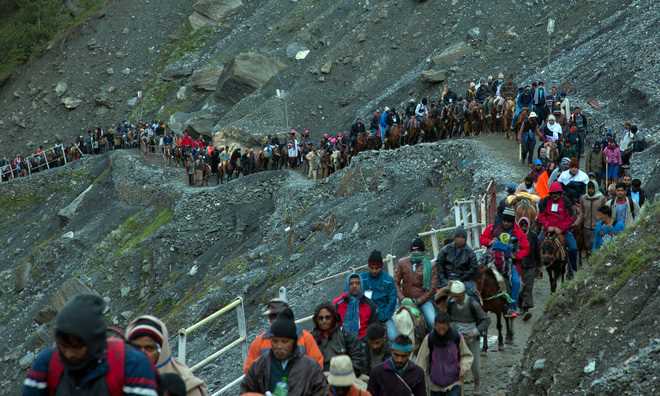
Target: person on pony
<point>556,215</point>
<point>356,129</point>
<point>495,237</point>
<point>416,278</point>
<point>457,262</point>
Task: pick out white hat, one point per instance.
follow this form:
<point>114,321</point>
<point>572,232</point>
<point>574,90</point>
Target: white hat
<point>341,371</point>
<point>457,287</point>
<point>551,118</point>
<point>533,115</point>
<point>387,108</point>
<point>472,84</point>
<point>501,75</point>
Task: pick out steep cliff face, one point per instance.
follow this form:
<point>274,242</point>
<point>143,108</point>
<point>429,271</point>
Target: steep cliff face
<point>599,334</point>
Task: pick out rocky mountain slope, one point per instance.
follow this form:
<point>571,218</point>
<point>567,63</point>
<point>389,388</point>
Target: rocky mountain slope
<point>136,234</point>
<point>599,334</point>
<point>216,64</point>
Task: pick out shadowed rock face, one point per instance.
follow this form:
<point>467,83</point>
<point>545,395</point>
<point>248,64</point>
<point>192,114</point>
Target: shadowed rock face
<point>245,74</point>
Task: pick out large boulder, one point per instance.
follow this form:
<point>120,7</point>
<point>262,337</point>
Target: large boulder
<point>245,74</point>
<point>71,103</point>
<point>178,121</point>
<point>213,12</point>
<point>434,76</point>
<point>451,54</point>
<point>206,79</point>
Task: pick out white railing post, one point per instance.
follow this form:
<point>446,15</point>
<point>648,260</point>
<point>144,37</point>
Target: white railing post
<point>242,329</point>
<point>476,231</point>
<point>182,346</point>
<point>29,168</point>
<point>63,153</point>
<point>435,245</point>
<point>464,215</point>
<point>457,214</point>
<point>46,159</point>
<point>390,264</point>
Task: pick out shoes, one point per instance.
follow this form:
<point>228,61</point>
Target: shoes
<point>527,316</point>
<point>511,314</point>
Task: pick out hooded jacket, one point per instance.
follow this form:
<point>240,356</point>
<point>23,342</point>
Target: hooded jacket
<point>338,342</point>
<point>305,377</point>
<point>562,218</point>
<point>166,362</point>
<point>383,293</point>
<point>367,308</point>
<point>82,317</point>
<point>590,205</point>
<point>493,231</point>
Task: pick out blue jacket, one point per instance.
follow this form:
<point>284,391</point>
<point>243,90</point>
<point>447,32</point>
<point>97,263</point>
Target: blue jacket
<point>139,377</point>
<point>604,232</point>
<point>383,119</point>
<point>383,293</point>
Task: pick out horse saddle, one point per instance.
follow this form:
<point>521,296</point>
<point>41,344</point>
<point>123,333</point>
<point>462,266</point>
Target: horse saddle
<point>501,280</point>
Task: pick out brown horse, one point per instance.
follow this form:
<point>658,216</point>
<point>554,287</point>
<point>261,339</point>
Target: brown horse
<point>494,301</point>
<point>476,118</point>
<point>413,130</point>
<point>525,208</point>
<point>392,140</point>
<point>553,257</point>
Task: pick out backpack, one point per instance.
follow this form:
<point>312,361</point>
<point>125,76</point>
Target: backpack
<point>440,373</point>
<point>114,378</point>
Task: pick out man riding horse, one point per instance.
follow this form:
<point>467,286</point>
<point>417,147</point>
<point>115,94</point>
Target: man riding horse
<point>500,247</point>
<point>457,262</point>
<point>556,215</point>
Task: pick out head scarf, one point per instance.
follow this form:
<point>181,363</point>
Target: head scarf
<point>166,362</point>
<point>352,317</point>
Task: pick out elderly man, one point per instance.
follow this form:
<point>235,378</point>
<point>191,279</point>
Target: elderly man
<point>342,379</point>
<point>469,320</point>
<point>416,278</point>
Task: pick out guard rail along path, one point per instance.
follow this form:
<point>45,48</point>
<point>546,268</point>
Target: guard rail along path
<point>472,214</point>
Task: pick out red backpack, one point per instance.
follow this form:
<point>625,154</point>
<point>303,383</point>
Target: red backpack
<point>114,378</point>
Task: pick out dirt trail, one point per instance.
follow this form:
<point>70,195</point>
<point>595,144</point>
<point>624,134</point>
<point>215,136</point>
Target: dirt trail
<point>498,368</point>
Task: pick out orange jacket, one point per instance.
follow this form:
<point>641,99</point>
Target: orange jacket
<point>541,185</point>
<point>261,346</point>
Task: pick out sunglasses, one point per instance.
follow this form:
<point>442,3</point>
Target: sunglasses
<point>325,318</point>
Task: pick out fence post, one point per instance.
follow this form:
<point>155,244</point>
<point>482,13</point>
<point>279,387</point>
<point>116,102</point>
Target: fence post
<point>464,215</point>
<point>476,231</point>
<point>182,346</point>
<point>435,245</point>
<point>242,329</point>
<point>29,168</point>
<point>46,159</point>
<point>63,153</point>
<point>390,264</point>
<point>457,214</point>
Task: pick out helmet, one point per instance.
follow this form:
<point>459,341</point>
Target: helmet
<point>417,245</point>
<point>556,188</point>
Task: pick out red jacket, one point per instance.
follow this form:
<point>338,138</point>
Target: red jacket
<point>367,312</point>
<point>187,141</point>
<point>561,218</point>
<point>523,244</point>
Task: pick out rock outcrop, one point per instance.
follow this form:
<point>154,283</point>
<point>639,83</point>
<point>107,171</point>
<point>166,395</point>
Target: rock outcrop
<point>245,74</point>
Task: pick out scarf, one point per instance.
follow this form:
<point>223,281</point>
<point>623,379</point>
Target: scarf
<point>419,257</point>
<point>440,341</point>
<point>352,316</point>
<point>539,95</point>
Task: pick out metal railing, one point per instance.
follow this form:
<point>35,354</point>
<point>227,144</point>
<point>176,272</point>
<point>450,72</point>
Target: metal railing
<point>467,216</point>
<point>237,305</point>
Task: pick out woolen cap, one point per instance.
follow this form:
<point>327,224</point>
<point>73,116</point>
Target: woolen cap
<point>457,287</point>
<point>284,327</point>
<point>376,258</point>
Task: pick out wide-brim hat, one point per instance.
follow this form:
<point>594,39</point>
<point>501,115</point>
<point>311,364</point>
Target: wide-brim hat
<point>341,371</point>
